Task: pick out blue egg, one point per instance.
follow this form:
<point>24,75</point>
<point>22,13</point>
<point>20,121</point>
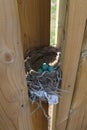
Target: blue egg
<point>50,68</point>
<point>40,70</point>
<point>44,66</point>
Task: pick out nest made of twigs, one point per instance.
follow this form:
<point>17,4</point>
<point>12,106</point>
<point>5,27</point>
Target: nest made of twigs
<point>44,86</point>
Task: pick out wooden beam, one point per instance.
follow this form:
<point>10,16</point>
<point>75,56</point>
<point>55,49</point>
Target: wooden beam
<point>78,112</point>
<point>35,27</point>
<point>73,44</point>
<point>39,121</point>
<point>14,108</point>
<point>35,22</point>
<point>61,14</point>
<point>78,115</point>
<point>61,18</point>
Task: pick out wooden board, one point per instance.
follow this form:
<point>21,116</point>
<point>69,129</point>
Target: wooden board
<point>40,122</point>
<point>14,108</point>
<point>61,22</point>
<point>35,27</point>
<point>61,14</point>
<point>78,116</point>
<point>73,44</point>
<point>78,112</point>
<point>35,22</point>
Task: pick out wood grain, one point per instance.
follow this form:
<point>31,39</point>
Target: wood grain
<point>73,44</point>
<point>78,116</point>
<point>40,122</point>
<point>61,14</point>
<point>61,20</point>
<point>79,106</point>
<point>35,28</point>
<point>35,23</point>
<point>14,108</point>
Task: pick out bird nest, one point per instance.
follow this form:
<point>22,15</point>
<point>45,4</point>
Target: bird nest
<point>43,86</point>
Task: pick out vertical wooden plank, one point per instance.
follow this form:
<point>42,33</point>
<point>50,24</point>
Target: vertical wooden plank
<point>78,116</point>
<point>74,37</point>
<point>62,7</point>
<point>35,22</point>
<point>79,105</point>
<point>39,121</point>
<point>35,27</point>
<point>14,108</point>
<point>61,20</point>
<point>53,120</point>
<point>84,122</point>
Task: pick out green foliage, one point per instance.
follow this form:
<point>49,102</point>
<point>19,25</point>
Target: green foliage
<point>53,21</point>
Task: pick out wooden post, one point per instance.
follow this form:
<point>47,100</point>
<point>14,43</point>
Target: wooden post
<point>62,7</point>
<point>74,37</point>
<point>14,108</point>
<point>35,28</point>
<point>35,23</point>
<point>78,113</point>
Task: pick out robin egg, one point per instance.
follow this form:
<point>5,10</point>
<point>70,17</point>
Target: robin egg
<point>40,70</point>
<point>50,68</point>
<point>44,66</point>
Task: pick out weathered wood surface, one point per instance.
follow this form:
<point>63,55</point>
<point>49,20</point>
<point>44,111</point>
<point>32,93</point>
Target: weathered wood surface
<point>61,20</point>
<point>74,37</point>
<point>39,121</point>
<point>35,22</point>
<point>78,115</point>
<point>14,108</point>
<point>35,28</point>
<point>61,14</point>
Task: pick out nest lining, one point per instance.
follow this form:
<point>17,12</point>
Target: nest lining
<point>44,86</point>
